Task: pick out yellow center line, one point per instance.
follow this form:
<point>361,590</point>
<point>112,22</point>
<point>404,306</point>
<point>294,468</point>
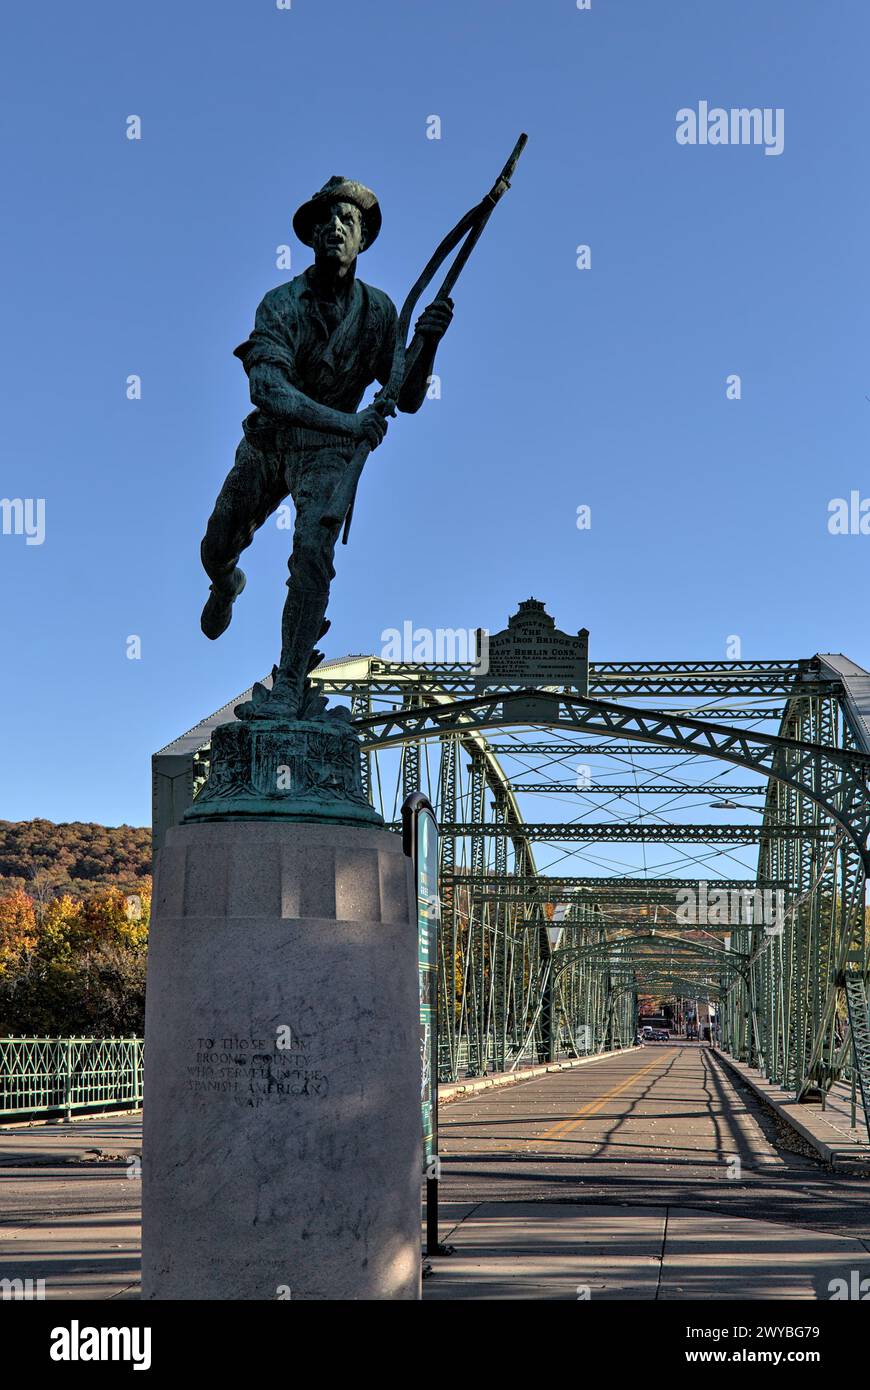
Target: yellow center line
<point>565,1126</point>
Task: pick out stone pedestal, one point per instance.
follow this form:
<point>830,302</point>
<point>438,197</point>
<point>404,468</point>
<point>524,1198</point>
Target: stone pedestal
<point>282,1150</point>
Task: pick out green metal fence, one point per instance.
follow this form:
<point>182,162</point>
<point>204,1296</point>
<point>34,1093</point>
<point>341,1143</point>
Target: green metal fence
<point>60,1075</point>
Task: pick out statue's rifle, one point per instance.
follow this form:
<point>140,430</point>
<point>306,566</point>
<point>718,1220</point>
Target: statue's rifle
<point>469,227</point>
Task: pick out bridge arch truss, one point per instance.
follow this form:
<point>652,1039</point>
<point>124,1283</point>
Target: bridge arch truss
<point>549,943</point>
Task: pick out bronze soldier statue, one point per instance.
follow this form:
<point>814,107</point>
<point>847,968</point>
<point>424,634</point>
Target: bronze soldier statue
<point>318,341</point>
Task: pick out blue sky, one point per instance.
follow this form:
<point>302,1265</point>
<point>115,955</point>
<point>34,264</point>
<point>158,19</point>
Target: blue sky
<point>560,387</point>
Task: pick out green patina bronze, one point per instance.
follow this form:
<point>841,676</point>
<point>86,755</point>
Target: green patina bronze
<point>278,769</point>
<point>318,342</point>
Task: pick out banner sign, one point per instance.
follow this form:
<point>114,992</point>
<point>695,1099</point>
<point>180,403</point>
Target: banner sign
<point>421,840</point>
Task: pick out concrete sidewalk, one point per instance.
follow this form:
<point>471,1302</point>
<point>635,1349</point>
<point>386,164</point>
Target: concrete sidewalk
<point>828,1131</point>
<point>81,1141</point>
<point>70,1195</point>
<point>549,1250</point>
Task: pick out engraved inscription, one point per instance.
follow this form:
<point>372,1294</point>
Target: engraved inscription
<point>254,1072</point>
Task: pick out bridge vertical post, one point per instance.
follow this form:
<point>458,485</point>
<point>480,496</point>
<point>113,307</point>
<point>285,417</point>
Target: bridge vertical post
<point>360,706</point>
<point>411,759</point>
<point>496,1004</point>
<point>548,1030</point>
<point>68,1079</point>
<point>449,923</point>
<point>477,949</point>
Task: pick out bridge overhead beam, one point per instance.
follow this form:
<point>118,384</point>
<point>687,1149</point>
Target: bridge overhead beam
<point>559,832</point>
<point>558,749</point>
<point>626,789</point>
<point>661,679</point>
<point>615,886</point>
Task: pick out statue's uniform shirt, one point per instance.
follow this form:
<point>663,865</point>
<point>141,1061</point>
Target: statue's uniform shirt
<point>329,352</point>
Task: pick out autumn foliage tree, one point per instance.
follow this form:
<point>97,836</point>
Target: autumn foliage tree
<point>71,966</point>
<point>18,933</point>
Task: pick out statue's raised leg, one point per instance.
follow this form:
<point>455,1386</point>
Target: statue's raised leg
<point>253,489</point>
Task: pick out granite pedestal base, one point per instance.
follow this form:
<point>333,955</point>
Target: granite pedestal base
<point>282,1151</point>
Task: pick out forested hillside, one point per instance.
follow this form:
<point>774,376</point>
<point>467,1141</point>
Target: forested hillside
<point>77,858</point>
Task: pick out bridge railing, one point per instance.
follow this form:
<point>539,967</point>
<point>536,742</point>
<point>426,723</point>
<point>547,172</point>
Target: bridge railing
<point>465,1063</point>
<point>60,1075</point>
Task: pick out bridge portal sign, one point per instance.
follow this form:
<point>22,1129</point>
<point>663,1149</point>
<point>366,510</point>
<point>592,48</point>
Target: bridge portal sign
<point>532,651</point>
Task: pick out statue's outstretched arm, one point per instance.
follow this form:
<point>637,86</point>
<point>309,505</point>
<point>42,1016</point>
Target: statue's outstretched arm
<point>430,329</point>
<point>272,393</point>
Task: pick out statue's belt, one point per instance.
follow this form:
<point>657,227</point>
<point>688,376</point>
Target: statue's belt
<point>297,438</point>
<point>270,437</point>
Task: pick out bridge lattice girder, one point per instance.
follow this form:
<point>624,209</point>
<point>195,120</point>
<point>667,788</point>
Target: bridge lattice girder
<point>816,814</point>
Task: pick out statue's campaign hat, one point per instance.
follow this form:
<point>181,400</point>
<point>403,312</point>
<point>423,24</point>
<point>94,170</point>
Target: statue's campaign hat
<point>338,190</point>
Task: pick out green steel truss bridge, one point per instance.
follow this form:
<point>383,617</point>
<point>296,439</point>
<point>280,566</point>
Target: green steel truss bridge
<point>624,831</point>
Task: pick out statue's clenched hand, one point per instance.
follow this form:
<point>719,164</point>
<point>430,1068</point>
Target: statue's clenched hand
<point>368,426</point>
<point>435,321</point>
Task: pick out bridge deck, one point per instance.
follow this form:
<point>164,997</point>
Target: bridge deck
<point>651,1174</point>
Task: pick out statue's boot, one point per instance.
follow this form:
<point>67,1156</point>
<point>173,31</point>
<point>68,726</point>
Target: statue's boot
<point>218,610</point>
<point>303,622</point>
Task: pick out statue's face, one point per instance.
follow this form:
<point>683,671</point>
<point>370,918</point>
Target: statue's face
<point>339,237</point>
